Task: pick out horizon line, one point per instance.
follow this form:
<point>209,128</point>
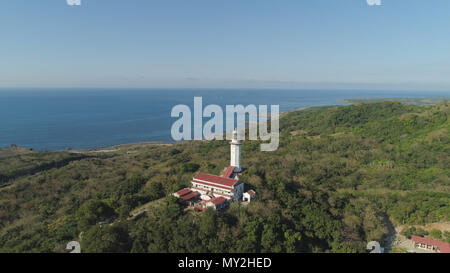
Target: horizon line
<point>233,88</point>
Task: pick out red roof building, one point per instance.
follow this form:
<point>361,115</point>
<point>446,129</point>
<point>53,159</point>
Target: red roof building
<point>213,185</point>
<point>430,244</point>
<point>182,192</point>
<point>229,172</point>
<point>189,196</point>
<point>251,192</point>
<point>217,203</point>
<point>248,196</point>
<point>214,179</point>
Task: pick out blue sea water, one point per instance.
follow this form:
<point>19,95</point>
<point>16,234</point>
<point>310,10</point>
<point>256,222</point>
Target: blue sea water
<point>56,119</point>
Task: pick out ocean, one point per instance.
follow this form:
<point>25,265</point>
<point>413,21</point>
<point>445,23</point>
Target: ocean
<point>57,119</point>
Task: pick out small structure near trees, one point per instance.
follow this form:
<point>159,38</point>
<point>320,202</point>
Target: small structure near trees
<point>430,244</point>
<point>248,196</point>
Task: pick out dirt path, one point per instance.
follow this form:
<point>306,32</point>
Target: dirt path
<point>138,211</point>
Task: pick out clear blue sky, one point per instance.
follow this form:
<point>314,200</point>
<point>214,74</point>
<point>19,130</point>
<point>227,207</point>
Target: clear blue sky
<point>403,44</point>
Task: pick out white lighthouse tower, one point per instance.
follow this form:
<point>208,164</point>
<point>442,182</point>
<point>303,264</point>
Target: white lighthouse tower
<point>236,152</point>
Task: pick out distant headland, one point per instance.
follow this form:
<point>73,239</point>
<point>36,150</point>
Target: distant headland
<point>412,101</point>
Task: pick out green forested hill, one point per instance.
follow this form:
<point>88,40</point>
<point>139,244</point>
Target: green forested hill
<point>339,175</point>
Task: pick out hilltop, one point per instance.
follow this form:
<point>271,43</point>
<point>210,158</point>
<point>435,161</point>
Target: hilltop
<point>341,176</point>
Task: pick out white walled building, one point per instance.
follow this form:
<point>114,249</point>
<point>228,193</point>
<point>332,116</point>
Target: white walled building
<point>216,186</point>
<point>217,203</point>
<point>248,196</point>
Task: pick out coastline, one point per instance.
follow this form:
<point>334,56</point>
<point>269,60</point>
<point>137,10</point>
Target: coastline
<point>424,101</point>
<point>117,147</point>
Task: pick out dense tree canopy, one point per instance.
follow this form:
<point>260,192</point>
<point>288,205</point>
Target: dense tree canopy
<point>340,176</point>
